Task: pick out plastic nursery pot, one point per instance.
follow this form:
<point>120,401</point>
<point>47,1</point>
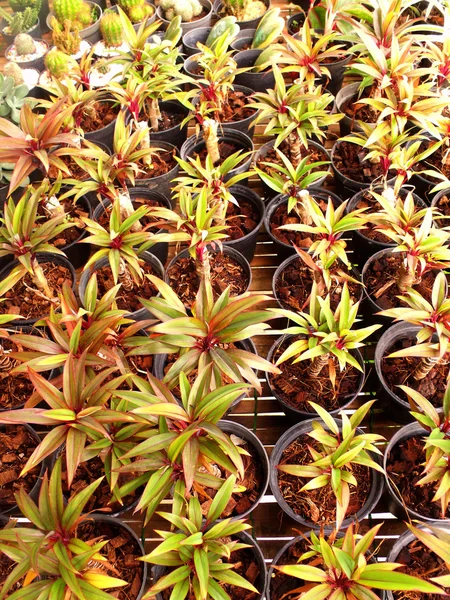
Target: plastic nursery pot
<point>287,263</point>
<point>204,21</point>
<point>163,183</point>
<point>160,250</point>
<point>292,434</point>
<point>243,536</point>
<point>34,492</point>
<point>345,186</point>
<point>246,245</point>
<point>121,528</point>
<point>160,363</point>
<point>243,40</point>
<point>34,62</point>
<point>258,82</point>
<point>35,33</point>
<point>190,66</point>
<point>424,186</point>
<point>399,331</point>
<point>261,155</point>
<point>250,24</point>
<point>104,135</point>
<point>364,246</point>
<point>294,414</point>
<point>343,96</point>
<point>337,71</point>
<point>294,22</point>
<point>147,257</point>
<point>175,135</point>
<point>402,542</point>
<point>42,257</point>
<point>438,200</point>
<point>284,250</point>
<point>190,39</point>
<point>231,252</point>
<point>91,33</point>
<point>395,505</point>
<point>194,145</point>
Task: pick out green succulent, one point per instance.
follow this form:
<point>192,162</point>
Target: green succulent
<point>12,98</point>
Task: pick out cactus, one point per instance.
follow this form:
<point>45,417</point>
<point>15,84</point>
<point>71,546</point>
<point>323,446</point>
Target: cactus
<point>67,9</point>
<point>111,29</point>
<point>13,70</point>
<point>59,63</point>
<point>138,13</point>
<point>244,10</point>
<point>64,38</point>
<point>21,21</point>
<point>186,9</point>
<point>24,44</point>
<point>85,17</point>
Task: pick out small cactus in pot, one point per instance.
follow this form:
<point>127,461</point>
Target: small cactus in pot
<point>186,9</point>
<point>65,37</point>
<point>136,10</point>
<point>24,44</point>
<point>78,12</point>
<point>13,70</point>
<point>58,63</point>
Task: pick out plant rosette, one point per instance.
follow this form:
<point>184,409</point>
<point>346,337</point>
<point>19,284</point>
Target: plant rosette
<point>305,507</point>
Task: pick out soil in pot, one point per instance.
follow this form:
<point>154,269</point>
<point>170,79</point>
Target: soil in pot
<point>236,108</point>
<point>246,565</point>
<point>103,114</point>
<point>282,586</point>
<point>398,371</point>
<point>314,154</point>
<point>137,202</point>
<point>169,119</point>
<point>241,219</point>
<point>17,444</point>
<point>74,214</point>
<point>294,284</point>
<point>129,293</point>
<point>419,561</point>
<point>14,389</point>
<point>443,206</point>
<point>23,298</point>
<point>76,171</point>
<point>162,162</point>
<point>350,160</point>
<point>360,112</point>
<point>122,551</point>
<point>296,387</point>
<point>225,271</point>
<point>318,506</point>
<point>87,473</point>
<point>226,149</point>
<point>404,469</point>
<point>380,280</point>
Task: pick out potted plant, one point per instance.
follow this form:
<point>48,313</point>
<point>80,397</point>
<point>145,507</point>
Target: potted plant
<point>266,33</point>
<point>137,11</point>
<point>309,467</point>
<point>61,541</point>
<point>113,36</point>
<point>27,52</point>
<point>193,13</point>
<point>83,16</point>
<point>220,555</point>
<point>294,114</point>
<point>25,19</point>
<point>343,565</point>
<point>417,484</point>
<point>208,36</point>
<point>13,95</point>
<point>248,13</point>
<point>218,341</point>
<point>323,360</point>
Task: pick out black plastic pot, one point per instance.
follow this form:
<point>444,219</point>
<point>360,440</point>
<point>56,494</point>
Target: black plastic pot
<point>137,315</point>
<point>164,183</point>
<point>177,135</point>
<point>295,22</point>
<point>243,38</point>
<point>337,71</point>
<point>42,257</point>
<point>394,504</point>
<point>119,524</point>
<point>346,124</point>
<point>364,246</point>
<point>76,252</point>
<point>424,186</point>
<point>247,244</point>
<point>297,431</point>
<point>346,187</point>
<point>398,407</point>
<point>160,250</point>
<point>435,204</point>
<point>35,33</point>
<point>258,82</point>
<point>92,33</point>
<point>252,24</point>
<point>34,492</point>
<point>262,152</point>
<point>37,63</point>
<point>193,145</point>
<point>103,136</point>
<point>190,39</point>
<point>160,362</point>
<point>196,24</point>
<point>284,250</point>
<point>234,254</point>
<point>191,64</point>
<point>243,536</point>
<point>293,414</point>
<point>402,542</point>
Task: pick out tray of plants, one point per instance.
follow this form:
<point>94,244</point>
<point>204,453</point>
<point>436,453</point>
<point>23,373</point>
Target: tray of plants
<point>224,312</point>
